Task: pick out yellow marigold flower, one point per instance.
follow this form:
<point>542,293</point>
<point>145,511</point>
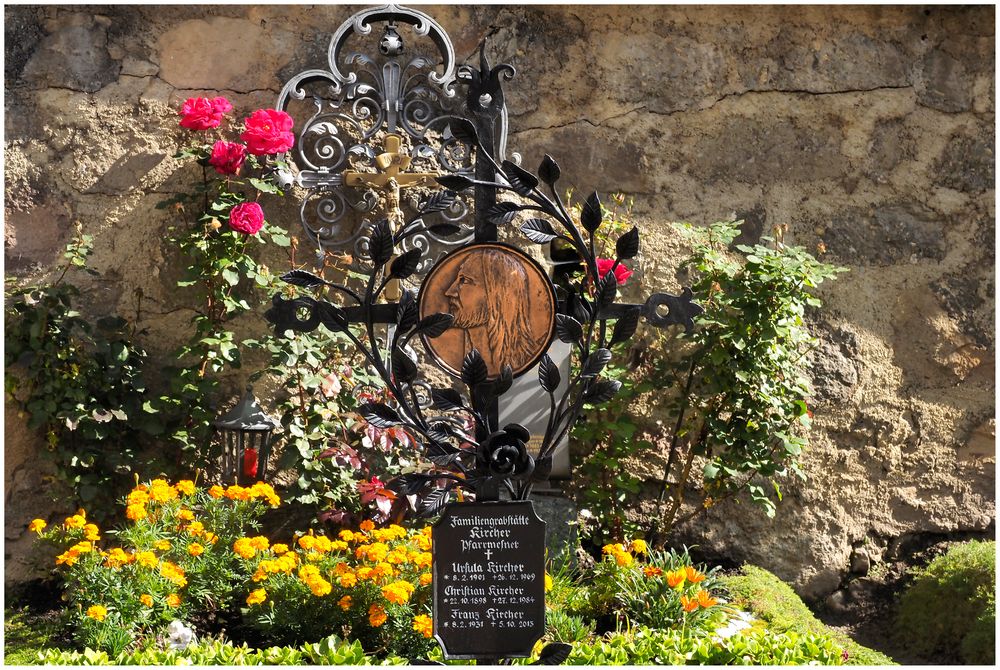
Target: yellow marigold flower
<point>377,552</point>
<point>185,515</point>
<point>307,542</point>
<point>138,497</point>
<point>196,549</point>
<point>196,528</point>
<point>236,492</point>
<point>146,599</point>
<point>427,531</point>
<point>216,491</point>
<point>382,570</point>
<point>346,535</point>
<point>426,579</point>
<point>548,582</point>
<point>173,600</point>
<point>376,615</point>
<point>97,612</point>
<point>185,486</point>
<point>92,532</point>
<point>623,558</point>
<point>68,558</point>
<point>639,547</point>
<point>423,559</point>
<point>341,568</point>
<point>161,491</point>
<point>37,525</point>
<point>345,603</point>
<point>348,580</point>
<point>364,572</point>
<point>265,491</point>
<point>367,525</point>
<point>705,599</point>
<point>82,547</point>
<point>146,559</point>
<point>675,578</point>
<point>422,542</point>
<point>307,572</point>
<point>320,587</point>
<point>361,551</point>
<point>244,548</point>
<point>338,545</point>
<point>135,512</point>
<point>257,597</point>
<point>116,558</point>
<point>75,521</point>
<point>174,573</point>
<point>279,549</point>
<point>693,575</point>
<point>162,545</point>
<point>398,592</point>
<point>323,544</point>
<point>396,557</point>
<point>259,575</point>
<point>260,543</point>
<point>423,625</point>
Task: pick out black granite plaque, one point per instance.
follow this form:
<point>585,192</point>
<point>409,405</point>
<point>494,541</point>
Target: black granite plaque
<point>489,580</point>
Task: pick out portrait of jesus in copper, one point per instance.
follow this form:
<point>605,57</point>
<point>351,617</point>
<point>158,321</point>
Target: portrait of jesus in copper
<point>502,302</point>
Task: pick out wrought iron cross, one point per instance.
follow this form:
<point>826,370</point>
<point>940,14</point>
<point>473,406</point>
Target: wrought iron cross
<point>392,177</point>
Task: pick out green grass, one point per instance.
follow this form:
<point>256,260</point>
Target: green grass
<point>27,633</point>
<point>769,598</point>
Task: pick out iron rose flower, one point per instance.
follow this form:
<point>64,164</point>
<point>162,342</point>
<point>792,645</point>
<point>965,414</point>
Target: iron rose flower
<point>268,131</point>
<point>227,157</point>
<point>246,217</point>
<point>505,453</point>
<point>202,113</point>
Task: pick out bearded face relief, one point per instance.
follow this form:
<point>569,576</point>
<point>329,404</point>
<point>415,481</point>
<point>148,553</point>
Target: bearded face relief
<point>503,304</point>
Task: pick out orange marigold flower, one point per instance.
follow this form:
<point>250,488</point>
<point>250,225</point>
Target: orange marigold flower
<point>196,528</point>
<point>376,615</point>
<point>652,571</point>
<point>307,542</point>
<point>37,525</point>
<point>382,570</point>
<point>426,578</point>
<point>320,587</point>
<point>185,515</point>
<point>75,521</point>
<point>196,549</point>
<point>146,599</point>
<point>68,558</point>
<point>216,491</point>
<point>348,580</point>
<point>116,558</point>
<point>257,597</point>
<point>185,486</point>
<point>244,548</point>
<point>346,535</point>
<point>173,600</point>
<point>367,525</point>
<point>705,599</point>
<point>146,559</point>
<point>345,603</point>
<point>161,491</point>
<point>624,559</point>
<point>92,532</point>
<point>693,575</point>
<point>260,543</point>
<point>675,578</point>
<point>338,545</point>
<point>377,552</point>
<point>689,604</point>
<point>162,545</point>
<point>138,497</point>
<point>422,542</point>
<point>323,544</point>
<point>97,612</point>
<point>364,572</point>
<point>398,592</point>
<point>423,625</point>
<point>135,512</point>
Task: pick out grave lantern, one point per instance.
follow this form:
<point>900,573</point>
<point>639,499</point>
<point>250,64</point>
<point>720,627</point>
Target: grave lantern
<point>245,432</point>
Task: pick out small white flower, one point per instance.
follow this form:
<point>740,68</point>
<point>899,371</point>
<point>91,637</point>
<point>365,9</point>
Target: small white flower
<point>179,636</point>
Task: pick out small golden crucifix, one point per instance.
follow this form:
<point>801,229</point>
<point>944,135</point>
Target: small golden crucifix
<point>391,178</point>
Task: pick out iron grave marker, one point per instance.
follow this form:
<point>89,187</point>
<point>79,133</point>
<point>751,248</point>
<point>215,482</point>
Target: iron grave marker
<point>489,580</point>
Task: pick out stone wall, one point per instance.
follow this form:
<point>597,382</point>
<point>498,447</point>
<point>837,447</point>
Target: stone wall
<point>868,129</point>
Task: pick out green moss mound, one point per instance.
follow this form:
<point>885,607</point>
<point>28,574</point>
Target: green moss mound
<point>952,603</point>
<point>769,598</point>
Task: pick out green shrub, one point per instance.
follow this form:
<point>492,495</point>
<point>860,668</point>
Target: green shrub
<point>952,603</point>
<point>562,627</point>
<point>769,598</point>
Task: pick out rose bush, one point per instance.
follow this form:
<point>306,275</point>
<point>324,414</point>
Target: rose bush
<point>246,217</point>
<point>604,266</point>
<point>227,157</point>
<point>204,113</point>
<point>268,131</point>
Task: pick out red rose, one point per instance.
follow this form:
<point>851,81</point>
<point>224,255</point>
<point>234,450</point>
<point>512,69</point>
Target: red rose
<point>227,157</point>
<point>268,131</point>
<point>246,217</point>
<point>202,113</point>
<point>622,273</point>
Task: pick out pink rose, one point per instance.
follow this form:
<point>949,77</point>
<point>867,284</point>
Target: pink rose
<point>227,157</point>
<point>268,131</point>
<point>202,113</point>
<point>622,273</point>
<point>246,217</point>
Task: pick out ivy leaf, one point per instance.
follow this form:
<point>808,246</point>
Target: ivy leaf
<point>433,502</point>
<point>548,170</point>
<point>405,265</point>
<point>302,278</point>
<point>548,374</point>
<point>407,312</point>
<point>539,231</point>
<point>380,243</point>
<point>463,131</point>
<point>591,216</point>
<point>627,246</point>
<point>379,415</point>
<point>554,653</point>
<point>434,325</point>
<point>568,329</point>
<point>474,371</point>
<point>625,326</point>
<point>601,391</point>
<point>455,182</point>
<point>438,202</point>
<point>595,363</point>
<point>503,212</point>
<point>522,181</point>
<point>446,399</point>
